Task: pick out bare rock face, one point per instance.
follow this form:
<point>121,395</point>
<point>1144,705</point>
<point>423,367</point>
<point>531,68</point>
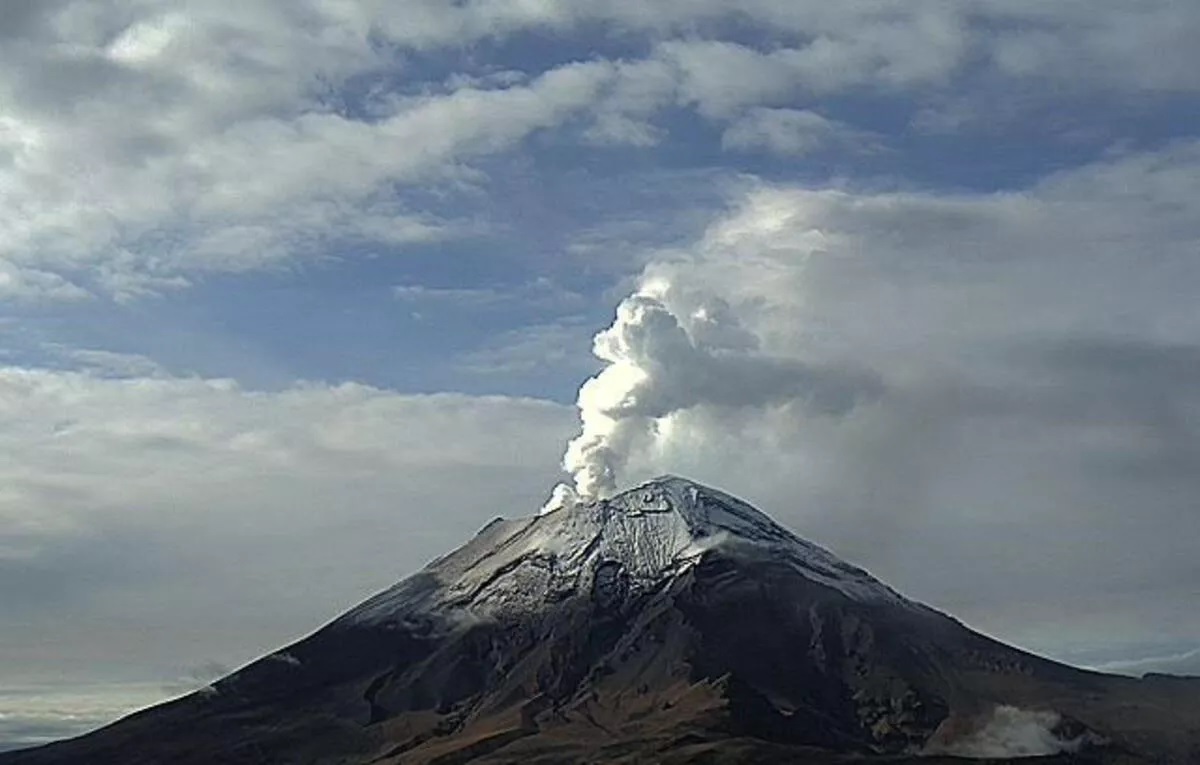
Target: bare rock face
<point>672,623</point>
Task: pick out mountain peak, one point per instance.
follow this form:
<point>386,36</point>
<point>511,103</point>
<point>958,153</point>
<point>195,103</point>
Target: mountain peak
<point>669,623</point>
<point>650,533</point>
<point>705,511</point>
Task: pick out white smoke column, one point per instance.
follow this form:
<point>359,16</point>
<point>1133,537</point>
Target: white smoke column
<point>1011,732</point>
<point>667,352</point>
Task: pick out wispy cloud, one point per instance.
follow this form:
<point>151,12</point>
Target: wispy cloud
<point>560,347</point>
<point>32,715</point>
<point>106,363</point>
<point>1182,663</point>
<point>794,132</point>
<point>541,294</point>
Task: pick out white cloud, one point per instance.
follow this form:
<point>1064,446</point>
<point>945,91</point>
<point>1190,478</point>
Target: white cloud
<point>185,194</point>
<point>793,132</point>
<point>38,714</point>
<point>147,146</point>
<point>1180,663</point>
<point>107,363</point>
<point>541,293</point>
<point>721,77</point>
<point>130,440</point>
<point>558,348</point>
<point>460,296</point>
<point>638,91</point>
<point>145,41</point>
<point>619,130</point>
<point>179,506</point>
<point>1116,50</point>
<point>143,144</point>
<point>25,283</point>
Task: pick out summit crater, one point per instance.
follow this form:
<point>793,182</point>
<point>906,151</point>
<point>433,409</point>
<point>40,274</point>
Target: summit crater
<point>650,534</point>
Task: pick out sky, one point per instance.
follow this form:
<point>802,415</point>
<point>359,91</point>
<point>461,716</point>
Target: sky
<point>295,295</point>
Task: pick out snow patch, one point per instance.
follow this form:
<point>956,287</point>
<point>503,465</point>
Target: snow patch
<point>654,531</point>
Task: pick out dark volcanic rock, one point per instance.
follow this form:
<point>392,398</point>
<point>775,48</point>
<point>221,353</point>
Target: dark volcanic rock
<point>670,624</point>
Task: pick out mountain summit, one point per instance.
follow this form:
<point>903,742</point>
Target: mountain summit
<point>638,539</point>
<point>670,623</point>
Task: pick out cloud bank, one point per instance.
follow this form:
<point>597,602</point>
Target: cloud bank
<point>907,368</point>
<point>191,509</point>
<point>351,124</point>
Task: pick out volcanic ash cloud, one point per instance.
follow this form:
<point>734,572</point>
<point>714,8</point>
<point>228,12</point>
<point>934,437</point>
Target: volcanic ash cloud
<point>667,353</point>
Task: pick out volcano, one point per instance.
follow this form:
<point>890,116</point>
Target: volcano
<point>672,623</point>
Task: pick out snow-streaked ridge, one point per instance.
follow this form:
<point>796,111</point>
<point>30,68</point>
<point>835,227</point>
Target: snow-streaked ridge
<point>652,532</point>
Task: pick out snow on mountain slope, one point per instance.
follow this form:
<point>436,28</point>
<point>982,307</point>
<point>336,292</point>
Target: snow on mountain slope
<point>635,539</point>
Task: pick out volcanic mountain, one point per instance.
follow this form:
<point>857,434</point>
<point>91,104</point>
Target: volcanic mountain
<point>669,624</point>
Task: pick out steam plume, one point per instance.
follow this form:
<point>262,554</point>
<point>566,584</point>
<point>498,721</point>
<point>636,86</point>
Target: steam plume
<point>668,352</point>
<point>1011,732</point>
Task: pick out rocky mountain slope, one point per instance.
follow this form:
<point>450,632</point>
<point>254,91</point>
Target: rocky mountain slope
<point>672,623</point>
